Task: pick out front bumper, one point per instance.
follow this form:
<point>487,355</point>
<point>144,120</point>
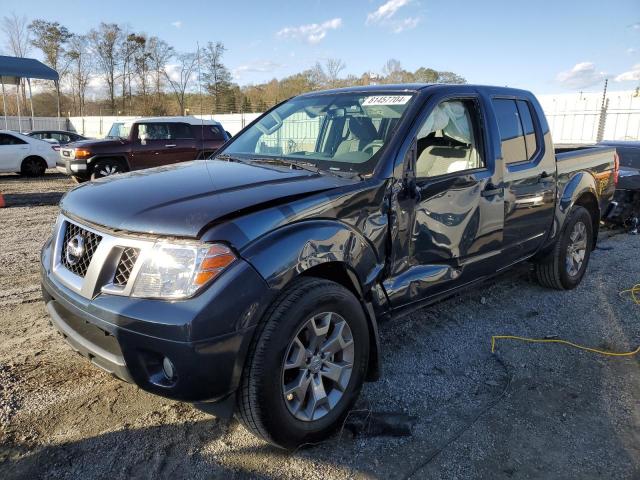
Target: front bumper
<point>130,337</point>
<point>71,166</point>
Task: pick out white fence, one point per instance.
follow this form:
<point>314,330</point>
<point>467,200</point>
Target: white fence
<point>573,118</point>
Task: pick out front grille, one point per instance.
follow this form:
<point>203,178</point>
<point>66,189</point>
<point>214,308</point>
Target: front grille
<point>125,266</point>
<point>90,242</point>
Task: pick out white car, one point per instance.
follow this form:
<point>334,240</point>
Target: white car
<point>26,155</point>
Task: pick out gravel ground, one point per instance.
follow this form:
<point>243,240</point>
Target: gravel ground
<point>529,411</point>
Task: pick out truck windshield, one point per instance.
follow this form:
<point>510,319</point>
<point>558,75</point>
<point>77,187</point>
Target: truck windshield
<point>119,130</point>
<point>337,132</point>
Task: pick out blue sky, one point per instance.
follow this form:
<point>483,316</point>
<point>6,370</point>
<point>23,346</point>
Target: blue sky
<point>545,46</point>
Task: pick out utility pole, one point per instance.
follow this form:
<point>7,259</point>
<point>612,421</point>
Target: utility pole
<point>603,112</point>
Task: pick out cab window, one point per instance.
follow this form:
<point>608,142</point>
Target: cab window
<point>449,141</point>
<point>153,131</point>
<point>512,138</point>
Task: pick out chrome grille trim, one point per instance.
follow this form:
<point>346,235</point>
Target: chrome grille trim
<point>101,270</point>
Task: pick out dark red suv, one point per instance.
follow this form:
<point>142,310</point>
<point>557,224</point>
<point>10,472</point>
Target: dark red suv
<point>143,143</point>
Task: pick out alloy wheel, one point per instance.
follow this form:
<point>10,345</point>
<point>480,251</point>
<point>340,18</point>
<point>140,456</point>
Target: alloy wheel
<point>317,366</point>
<point>108,169</point>
<point>576,249</point>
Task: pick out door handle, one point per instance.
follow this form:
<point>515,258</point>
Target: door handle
<point>170,145</point>
<point>491,191</point>
<point>543,176</point>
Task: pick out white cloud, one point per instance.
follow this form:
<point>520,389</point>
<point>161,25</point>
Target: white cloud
<point>630,76</point>
<point>260,66</point>
<point>635,26</point>
<point>405,24</point>
<point>385,11</point>
<point>312,33</point>
<point>632,51</point>
<point>583,74</point>
<point>177,24</point>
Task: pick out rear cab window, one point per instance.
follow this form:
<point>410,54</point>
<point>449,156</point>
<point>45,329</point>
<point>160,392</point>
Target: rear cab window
<point>517,132</point>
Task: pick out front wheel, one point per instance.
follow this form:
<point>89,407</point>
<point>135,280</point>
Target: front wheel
<point>306,364</point>
<point>107,167</point>
<point>564,267</point>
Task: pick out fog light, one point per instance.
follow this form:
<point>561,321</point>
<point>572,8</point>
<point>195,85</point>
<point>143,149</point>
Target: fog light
<point>168,369</point>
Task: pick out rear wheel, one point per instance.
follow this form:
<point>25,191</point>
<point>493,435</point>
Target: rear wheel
<point>107,167</point>
<point>564,267</point>
<point>33,167</point>
<point>306,364</point>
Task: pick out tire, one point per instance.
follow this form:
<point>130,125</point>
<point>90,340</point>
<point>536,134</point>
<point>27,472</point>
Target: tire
<point>33,167</point>
<point>77,179</point>
<point>285,420</point>
<point>107,167</point>
<point>559,268</point>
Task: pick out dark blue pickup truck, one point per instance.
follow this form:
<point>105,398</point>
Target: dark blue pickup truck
<point>256,279</point>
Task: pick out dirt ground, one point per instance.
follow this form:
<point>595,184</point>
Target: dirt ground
<point>529,411</point>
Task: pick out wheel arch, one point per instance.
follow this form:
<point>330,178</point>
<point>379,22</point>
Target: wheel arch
<point>121,158</point>
<point>580,190</point>
<point>324,249</point>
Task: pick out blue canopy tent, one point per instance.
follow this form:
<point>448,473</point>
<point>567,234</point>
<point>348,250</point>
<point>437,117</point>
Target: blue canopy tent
<point>14,69</point>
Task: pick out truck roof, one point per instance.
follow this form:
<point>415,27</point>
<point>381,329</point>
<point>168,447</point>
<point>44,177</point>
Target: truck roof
<point>187,119</point>
<point>414,87</point>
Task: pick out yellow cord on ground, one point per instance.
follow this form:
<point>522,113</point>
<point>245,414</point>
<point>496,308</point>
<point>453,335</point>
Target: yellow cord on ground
<point>635,293</point>
<point>564,342</point>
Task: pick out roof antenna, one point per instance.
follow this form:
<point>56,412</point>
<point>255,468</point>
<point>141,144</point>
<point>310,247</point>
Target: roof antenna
<point>200,95</point>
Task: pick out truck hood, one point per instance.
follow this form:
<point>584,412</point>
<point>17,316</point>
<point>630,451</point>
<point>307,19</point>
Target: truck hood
<point>181,200</point>
<point>104,142</point>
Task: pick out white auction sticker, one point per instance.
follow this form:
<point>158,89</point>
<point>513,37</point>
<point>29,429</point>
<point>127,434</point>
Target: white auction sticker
<point>386,100</point>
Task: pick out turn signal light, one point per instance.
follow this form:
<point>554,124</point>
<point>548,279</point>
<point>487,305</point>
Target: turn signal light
<point>217,259</point>
<point>82,153</point>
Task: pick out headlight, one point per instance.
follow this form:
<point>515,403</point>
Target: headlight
<point>174,271</point>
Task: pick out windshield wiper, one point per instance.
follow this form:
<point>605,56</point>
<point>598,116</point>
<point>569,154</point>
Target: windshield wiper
<point>228,158</point>
<point>308,166</point>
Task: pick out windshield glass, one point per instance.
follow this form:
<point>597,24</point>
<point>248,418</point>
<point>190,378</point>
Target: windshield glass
<point>340,132</point>
<point>119,130</point>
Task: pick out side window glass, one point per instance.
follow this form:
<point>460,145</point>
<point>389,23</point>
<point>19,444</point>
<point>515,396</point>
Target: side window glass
<point>449,140</point>
<point>511,134</point>
<point>153,131</point>
<point>524,109</point>
<point>179,131</point>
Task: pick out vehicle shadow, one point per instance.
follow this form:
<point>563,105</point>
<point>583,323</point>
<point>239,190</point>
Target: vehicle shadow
<point>32,199</point>
<point>162,451</point>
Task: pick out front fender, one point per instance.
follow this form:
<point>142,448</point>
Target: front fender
<point>287,252</point>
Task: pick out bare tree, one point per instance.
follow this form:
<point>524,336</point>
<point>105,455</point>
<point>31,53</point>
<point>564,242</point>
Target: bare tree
<point>142,67</point>
<point>17,35</point>
<point>18,41</point>
<point>393,71</point>
<point>159,53</point>
<point>216,75</point>
<point>81,66</point>
<point>104,42</point>
<point>128,50</point>
<point>183,73</point>
<point>333,67</point>
<point>50,38</point>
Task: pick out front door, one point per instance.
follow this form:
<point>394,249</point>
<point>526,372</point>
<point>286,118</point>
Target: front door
<point>12,151</point>
<point>449,225</point>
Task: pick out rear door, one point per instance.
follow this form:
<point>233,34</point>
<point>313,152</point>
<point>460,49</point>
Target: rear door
<point>448,229</point>
<point>529,176</point>
<point>12,151</point>
<point>181,146</point>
